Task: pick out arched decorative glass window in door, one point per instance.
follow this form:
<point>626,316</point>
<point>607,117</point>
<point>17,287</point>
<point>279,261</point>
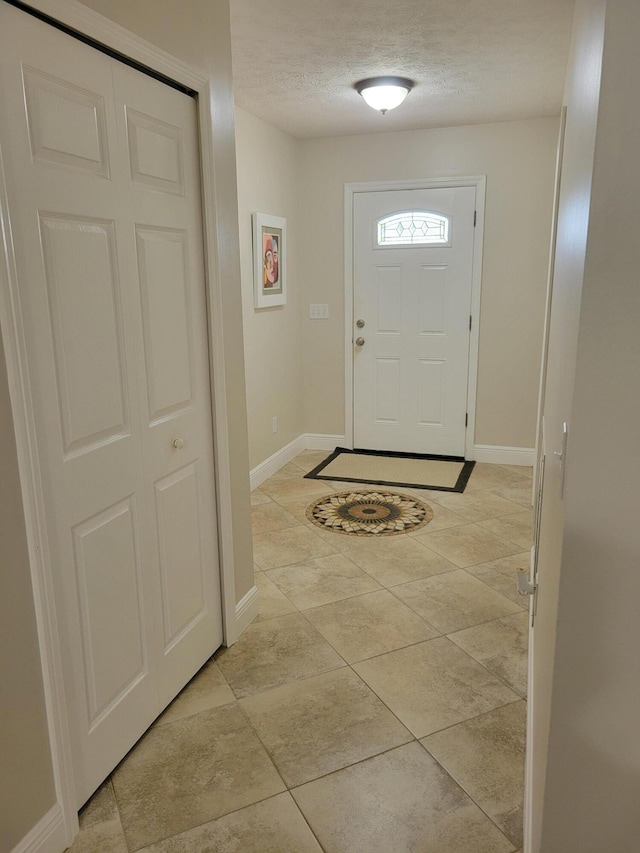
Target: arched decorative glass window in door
<point>414,228</point>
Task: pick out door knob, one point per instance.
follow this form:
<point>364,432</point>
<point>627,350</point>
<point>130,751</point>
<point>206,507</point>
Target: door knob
<point>359,342</point>
<point>178,443</point>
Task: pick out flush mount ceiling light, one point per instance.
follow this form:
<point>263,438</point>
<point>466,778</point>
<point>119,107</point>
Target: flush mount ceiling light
<point>384,93</point>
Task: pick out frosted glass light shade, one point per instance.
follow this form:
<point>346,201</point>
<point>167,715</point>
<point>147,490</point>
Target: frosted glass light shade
<point>384,93</point>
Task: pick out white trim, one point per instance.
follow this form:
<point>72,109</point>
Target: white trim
<point>549,297</point>
<point>529,758</point>
<point>321,441</point>
<point>217,372</point>
<point>504,455</point>
<point>349,192</point>
<point>85,21</point>
<point>246,610</point>
<point>47,836</point>
<point>33,507</point>
<point>480,183</point>
<point>276,461</point>
<point>474,338</point>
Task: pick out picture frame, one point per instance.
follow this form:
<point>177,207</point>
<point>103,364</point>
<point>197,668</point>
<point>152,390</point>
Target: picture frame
<point>269,260</point>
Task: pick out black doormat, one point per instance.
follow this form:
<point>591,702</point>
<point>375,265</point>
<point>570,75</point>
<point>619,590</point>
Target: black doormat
<point>389,468</point>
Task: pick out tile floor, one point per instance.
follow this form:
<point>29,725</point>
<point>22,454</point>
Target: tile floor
<point>376,704</point>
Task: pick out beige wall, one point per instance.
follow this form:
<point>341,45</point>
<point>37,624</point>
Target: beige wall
<point>26,777</point>
<point>198,32</point>
<point>518,159</point>
<point>593,778</point>
<point>269,182</point>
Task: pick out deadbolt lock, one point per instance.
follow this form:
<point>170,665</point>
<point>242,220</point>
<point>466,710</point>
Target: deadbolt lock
<point>360,324</point>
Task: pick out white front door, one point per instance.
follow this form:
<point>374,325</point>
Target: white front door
<point>102,171</point>
<point>413,266</point>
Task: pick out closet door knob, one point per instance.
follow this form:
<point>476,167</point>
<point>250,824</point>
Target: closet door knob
<point>178,443</point>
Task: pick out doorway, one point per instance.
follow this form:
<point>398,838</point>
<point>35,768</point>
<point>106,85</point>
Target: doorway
<point>413,257</point>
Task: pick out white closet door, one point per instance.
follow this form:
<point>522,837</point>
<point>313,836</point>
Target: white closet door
<point>102,172</point>
<point>161,211</point>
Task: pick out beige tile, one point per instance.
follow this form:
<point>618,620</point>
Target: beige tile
<point>258,497</point>
<point>393,559</point>
<point>369,625</point>
<point>454,601</point>
<point>514,528</point>
<point>288,488</point>
<point>501,646</point>
<point>501,575</point>
<point>488,476</point>
<point>290,471</point>
<point>298,506</point>
<point>433,685</point>
<point>206,690</point>
<point>310,459</point>
<point>322,724</point>
<point>100,808</point>
<point>322,580</point>
<point>106,837</point>
<point>271,602</point>
<point>429,495</point>
<point>191,771</point>
<point>442,517</point>
<point>100,827</point>
<point>486,757</point>
<point>399,801</point>
<point>467,545</point>
<point>520,494</point>
<point>275,652</point>
<point>475,506</point>
<point>268,517</point>
<point>272,826</point>
<point>521,470</point>
<point>293,545</point>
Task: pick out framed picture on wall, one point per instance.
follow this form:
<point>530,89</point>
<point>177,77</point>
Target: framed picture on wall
<point>269,260</point>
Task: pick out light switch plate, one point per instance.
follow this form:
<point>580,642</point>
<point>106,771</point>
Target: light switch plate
<point>318,312</point>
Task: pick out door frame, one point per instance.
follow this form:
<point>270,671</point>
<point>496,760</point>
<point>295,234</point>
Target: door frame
<point>536,498</point>
<point>60,824</point>
<point>350,190</point>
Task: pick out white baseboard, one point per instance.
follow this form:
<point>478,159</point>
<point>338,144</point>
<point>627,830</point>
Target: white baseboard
<point>47,836</point>
<point>321,441</point>
<point>276,461</point>
<point>504,455</point>
<point>246,612</point>
<point>306,441</point>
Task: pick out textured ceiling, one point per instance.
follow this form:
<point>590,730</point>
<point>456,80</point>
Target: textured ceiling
<point>295,61</point>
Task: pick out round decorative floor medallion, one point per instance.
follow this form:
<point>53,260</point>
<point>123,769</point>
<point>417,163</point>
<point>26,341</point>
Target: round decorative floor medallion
<point>367,513</point>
